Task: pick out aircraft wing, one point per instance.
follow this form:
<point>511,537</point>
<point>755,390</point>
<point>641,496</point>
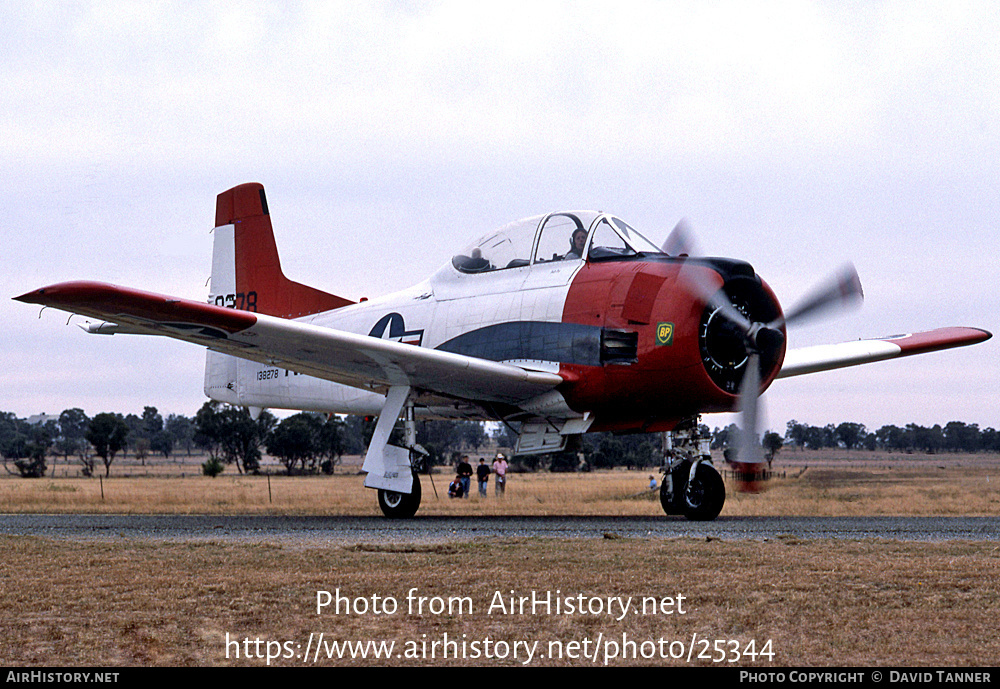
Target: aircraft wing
<point>357,360</point>
<point>827,357</point>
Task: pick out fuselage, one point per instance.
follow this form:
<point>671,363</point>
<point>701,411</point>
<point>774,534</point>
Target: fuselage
<point>637,351</point>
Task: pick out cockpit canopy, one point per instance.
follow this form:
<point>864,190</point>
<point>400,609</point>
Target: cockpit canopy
<point>553,237</point>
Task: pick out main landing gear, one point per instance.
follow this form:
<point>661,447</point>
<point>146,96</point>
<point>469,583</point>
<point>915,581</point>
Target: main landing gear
<point>691,485</point>
<point>391,469</point>
<point>400,505</point>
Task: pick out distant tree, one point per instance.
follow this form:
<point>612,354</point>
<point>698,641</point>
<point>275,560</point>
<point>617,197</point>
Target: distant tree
<point>929,440</point>
<point>331,440</point>
<point>152,422</point>
<point>816,438</point>
<point>208,428</point>
<point>33,465</point>
<point>231,435</point>
<point>443,439</point>
<point>247,437</point>
<point>725,437</point>
<point>870,442</point>
<point>140,447</point>
<point>990,440</point>
<point>891,438</point>
<point>108,433</point>
<point>13,436</point>
<point>772,443</point>
<point>606,450</point>
<point>72,438</point>
<point>962,437</point>
<point>26,444</point>
<point>357,433</point>
<point>795,433</point>
<point>162,443</point>
<point>143,431</point>
<point>295,441</point>
<point>181,431</point>
<point>135,431</point>
<point>850,434</point>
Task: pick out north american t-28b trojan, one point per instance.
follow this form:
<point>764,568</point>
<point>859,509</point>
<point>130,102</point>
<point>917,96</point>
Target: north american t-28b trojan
<point>557,325</point>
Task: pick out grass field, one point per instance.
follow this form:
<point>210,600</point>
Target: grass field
<point>801,602</point>
<point>808,483</point>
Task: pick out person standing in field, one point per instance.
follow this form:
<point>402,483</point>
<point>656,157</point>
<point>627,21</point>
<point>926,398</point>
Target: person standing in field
<point>465,475</point>
<point>500,470</point>
<point>483,475</point>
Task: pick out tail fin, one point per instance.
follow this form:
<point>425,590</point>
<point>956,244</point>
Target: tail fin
<point>246,272</point>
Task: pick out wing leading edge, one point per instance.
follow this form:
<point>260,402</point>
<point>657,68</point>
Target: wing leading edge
<point>356,360</point>
<point>828,357</point>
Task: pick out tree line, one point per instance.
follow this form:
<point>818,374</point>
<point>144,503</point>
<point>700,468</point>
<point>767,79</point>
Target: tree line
<point>310,443</point>
<point>303,443</point>
<point>954,436</point>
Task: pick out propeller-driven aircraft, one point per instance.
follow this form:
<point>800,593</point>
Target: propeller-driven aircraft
<point>556,325</point>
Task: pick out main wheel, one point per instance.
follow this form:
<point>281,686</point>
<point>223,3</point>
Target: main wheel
<point>705,495</point>
<point>400,505</point>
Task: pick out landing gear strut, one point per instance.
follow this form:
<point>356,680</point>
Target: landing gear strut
<point>392,469</point>
<point>691,485</point>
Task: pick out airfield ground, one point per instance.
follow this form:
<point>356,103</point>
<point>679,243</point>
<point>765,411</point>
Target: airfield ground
<point>819,602</point>
<point>822,483</point>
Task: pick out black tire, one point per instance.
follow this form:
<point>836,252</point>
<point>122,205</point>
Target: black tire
<point>672,501</point>
<point>705,495</point>
<point>400,505</point>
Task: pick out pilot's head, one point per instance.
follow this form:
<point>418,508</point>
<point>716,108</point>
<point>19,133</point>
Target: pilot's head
<point>577,241</point>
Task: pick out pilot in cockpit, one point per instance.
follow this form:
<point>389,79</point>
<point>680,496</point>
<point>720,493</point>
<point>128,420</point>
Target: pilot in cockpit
<point>477,264</point>
<point>576,242</point>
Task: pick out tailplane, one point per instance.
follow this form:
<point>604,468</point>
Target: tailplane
<point>246,272</point>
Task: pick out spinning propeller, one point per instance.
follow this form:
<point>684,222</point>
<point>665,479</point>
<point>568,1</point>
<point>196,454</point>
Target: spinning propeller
<point>759,338</point>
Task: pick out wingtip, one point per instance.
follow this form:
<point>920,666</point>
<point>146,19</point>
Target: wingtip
<point>33,297</point>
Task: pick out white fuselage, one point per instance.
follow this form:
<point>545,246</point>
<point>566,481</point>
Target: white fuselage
<point>428,314</point>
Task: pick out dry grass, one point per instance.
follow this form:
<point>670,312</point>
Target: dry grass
<point>820,603</point>
<point>130,602</point>
<point>824,484</point>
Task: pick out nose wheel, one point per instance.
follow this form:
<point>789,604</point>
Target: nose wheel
<point>695,490</point>
<point>691,485</point>
<point>705,494</point>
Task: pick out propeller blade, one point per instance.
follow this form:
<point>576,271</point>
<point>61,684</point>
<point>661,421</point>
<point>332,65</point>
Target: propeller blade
<point>841,289</point>
<point>750,469</point>
<point>749,449</point>
<point>680,241</point>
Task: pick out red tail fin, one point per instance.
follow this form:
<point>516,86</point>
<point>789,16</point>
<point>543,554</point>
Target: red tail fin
<point>258,270</point>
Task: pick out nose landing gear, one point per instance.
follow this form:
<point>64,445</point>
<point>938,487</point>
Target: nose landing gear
<point>691,485</point>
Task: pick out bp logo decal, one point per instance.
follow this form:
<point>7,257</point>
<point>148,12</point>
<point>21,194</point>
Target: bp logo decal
<point>664,333</point>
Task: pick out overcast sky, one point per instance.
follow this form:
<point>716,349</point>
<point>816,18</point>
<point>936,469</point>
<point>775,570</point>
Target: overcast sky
<point>794,135</point>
